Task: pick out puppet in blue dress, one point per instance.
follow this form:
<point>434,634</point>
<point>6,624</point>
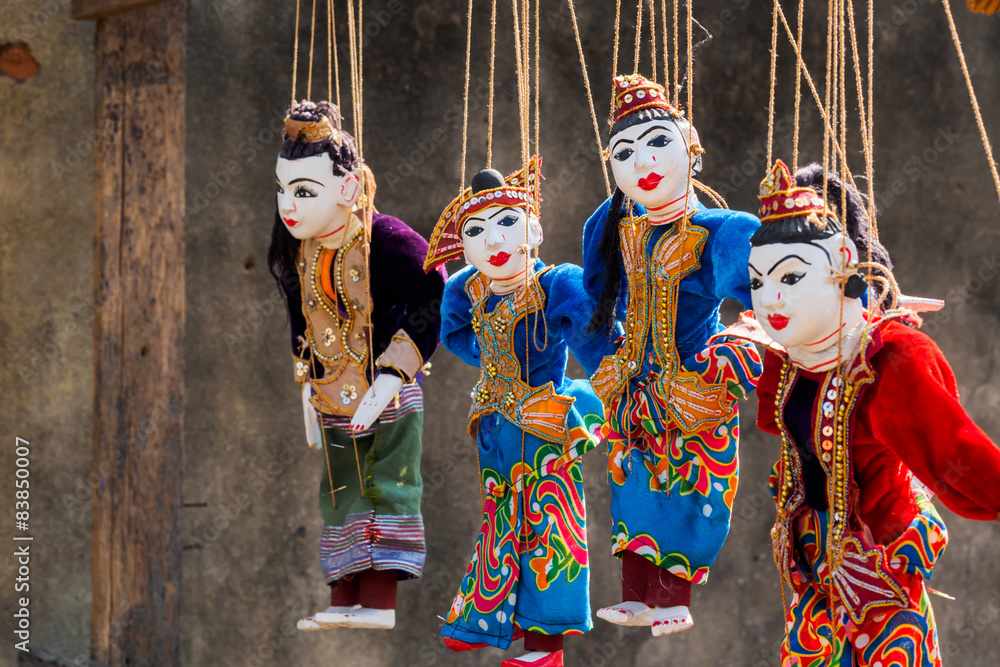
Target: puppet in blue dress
<point>516,319</point>
<point>654,257</point>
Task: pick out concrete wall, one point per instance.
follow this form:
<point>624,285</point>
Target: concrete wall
<point>253,570</point>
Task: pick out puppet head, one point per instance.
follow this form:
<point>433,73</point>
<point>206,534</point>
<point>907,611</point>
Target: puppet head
<point>318,174</point>
<point>494,223</point>
<point>803,264</point>
<point>653,149</point>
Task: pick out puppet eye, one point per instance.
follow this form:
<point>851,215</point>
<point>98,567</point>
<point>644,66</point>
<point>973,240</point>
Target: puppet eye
<point>756,284</point>
<point>508,221</point>
<point>624,154</point>
<point>792,278</point>
<point>303,191</point>
<point>473,230</point>
<point>659,141</point>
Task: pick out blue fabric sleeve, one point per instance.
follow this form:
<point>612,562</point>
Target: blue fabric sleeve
<point>456,319</point>
<point>593,263</point>
<point>568,311</point>
<point>727,255</point>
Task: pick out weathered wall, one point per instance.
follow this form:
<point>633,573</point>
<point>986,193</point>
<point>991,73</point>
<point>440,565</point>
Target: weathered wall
<point>252,570</point>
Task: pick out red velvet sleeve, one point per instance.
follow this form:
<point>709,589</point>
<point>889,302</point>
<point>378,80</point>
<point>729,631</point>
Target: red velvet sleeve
<point>767,390</point>
<point>913,409</point>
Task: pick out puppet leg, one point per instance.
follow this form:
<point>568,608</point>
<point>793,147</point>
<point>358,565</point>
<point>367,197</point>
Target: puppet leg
<point>554,596</point>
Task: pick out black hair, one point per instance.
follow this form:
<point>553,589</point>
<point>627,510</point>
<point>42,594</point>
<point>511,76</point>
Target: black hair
<point>853,221</point>
<point>487,179</point>
<point>610,244</point>
<point>284,248</point>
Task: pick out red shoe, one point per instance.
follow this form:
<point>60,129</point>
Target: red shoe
<point>459,646</point>
<point>554,659</point>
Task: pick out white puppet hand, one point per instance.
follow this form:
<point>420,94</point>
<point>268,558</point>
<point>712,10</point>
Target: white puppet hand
<point>314,437</point>
<point>375,400</point>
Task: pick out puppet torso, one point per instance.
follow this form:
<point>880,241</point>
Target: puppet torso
<point>336,303</point>
<point>501,387</point>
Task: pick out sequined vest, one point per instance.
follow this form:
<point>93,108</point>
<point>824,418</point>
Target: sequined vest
<point>537,410</point>
<point>857,570</point>
<point>653,279</point>
<point>338,328</point>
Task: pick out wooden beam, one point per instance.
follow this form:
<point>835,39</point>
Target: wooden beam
<point>85,10</point>
<point>138,337</point>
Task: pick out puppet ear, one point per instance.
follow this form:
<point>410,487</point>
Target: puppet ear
<point>350,188</point>
<point>855,286</point>
<point>534,232</point>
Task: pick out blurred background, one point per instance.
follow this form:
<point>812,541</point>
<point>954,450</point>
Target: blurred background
<point>250,567</point>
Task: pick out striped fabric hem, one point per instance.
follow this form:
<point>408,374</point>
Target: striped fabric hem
<point>367,541</point>
<point>411,399</point>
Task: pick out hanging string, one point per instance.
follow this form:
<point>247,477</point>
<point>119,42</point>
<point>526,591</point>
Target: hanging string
<point>677,61</point>
<point>798,89</point>
<point>666,47</point>
<point>352,64</point>
<point>493,59</point>
<point>870,173</point>
<point>361,88</point>
<point>652,35</point>
<point>614,55</point>
<point>329,50</point>
<point>465,95</point>
<point>690,68</point>
<point>638,35</point>
<point>538,122</point>
<point>312,51</point>
<point>774,83</point>
<point>295,57</point>
<point>972,95</point>
<point>590,97</point>
<point>807,76</point>
<point>336,57</point>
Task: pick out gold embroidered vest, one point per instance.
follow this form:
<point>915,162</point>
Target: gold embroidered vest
<point>338,330</point>
<point>653,280</point>
<point>537,410</point>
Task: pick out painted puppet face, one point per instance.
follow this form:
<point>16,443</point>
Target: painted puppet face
<point>795,295</point>
<point>312,201</point>
<point>651,162</point>
<point>492,238</point>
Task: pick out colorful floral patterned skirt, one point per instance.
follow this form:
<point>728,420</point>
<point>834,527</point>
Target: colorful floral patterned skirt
<point>530,568</point>
<point>374,522</point>
<point>672,494</point>
<point>821,634</point>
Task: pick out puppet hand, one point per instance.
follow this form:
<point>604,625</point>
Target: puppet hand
<point>375,400</point>
<point>314,437</point>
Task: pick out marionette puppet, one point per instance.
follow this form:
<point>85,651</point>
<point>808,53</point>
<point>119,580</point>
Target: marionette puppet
<point>871,428</point>
<point>656,258</point>
<point>516,319</point>
<point>353,280</point>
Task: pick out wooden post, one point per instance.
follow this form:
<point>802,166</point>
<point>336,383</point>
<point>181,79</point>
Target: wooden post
<point>138,336</point>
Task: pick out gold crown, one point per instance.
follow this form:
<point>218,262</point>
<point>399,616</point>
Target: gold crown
<point>308,131</point>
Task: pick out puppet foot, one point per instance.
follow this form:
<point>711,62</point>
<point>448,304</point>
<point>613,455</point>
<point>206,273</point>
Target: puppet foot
<point>669,620</point>
<point>536,659</point>
<point>361,617</point>
<point>310,624</point>
<point>458,646</point>
<point>627,613</point>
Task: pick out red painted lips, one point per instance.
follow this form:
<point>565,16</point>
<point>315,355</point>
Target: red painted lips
<point>650,182</point>
<point>777,321</point>
<point>500,259</point>
<point>290,222</point>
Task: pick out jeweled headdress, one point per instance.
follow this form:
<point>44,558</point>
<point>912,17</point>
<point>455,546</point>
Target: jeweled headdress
<point>634,92</point>
<point>518,190</point>
<point>781,198</point>
<point>308,131</point>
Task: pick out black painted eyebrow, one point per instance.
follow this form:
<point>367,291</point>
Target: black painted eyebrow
<point>505,208</point>
<point>787,257</point>
<point>755,269</point>
<point>299,180</point>
<point>655,127</point>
